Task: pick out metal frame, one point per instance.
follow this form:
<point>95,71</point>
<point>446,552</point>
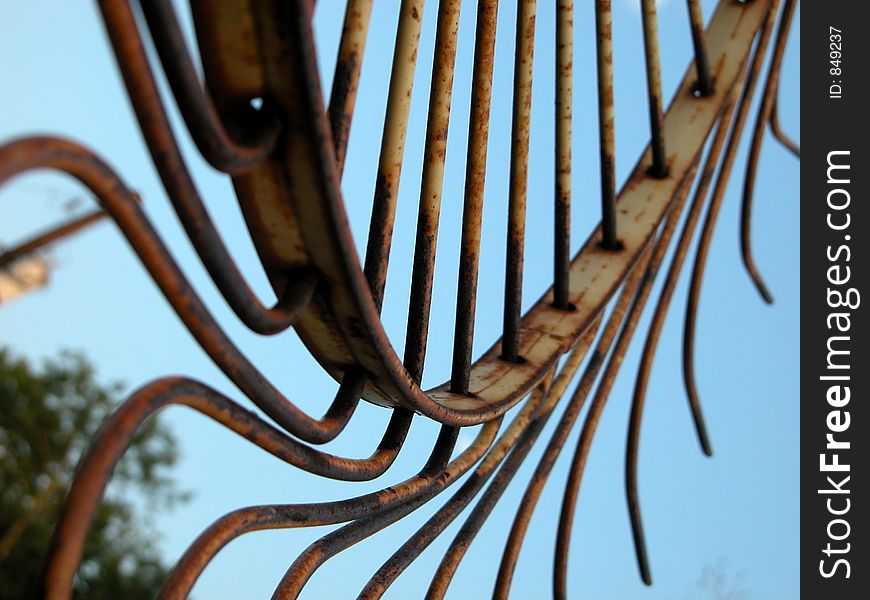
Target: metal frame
<point>261,118</point>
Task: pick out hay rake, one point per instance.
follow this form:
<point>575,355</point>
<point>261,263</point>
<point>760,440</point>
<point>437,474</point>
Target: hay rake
<point>261,118</point>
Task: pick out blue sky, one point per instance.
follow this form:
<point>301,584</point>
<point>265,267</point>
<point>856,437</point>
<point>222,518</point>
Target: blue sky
<point>729,523</point>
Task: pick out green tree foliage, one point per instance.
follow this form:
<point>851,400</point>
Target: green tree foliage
<point>47,418</point>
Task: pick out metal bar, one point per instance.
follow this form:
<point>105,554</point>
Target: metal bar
<point>751,78</point>
<point>105,451</point>
<point>328,546</point>
<point>765,110</point>
<point>282,516</point>
<point>154,123</point>
<point>659,166</point>
<point>116,199</point>
<point>537,408</point>
<point>596,408</point>
<point>651,343</point>
<point>564,108</point>
<point>777,131</point>
<point>435,153</point>
<point>522,108</point>
<point>344,322</point>
<point>457,549</point>
<point>345,81</point>
<point>217,146</point>
<point>572,411</point>
<point>392,148</point>
<point>702,63</point>
<point>472,210</point>
<point>606,119</point>
<point>43,239</point>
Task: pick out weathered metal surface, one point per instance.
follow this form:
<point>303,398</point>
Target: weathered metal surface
<point>260,117</point>
<point>659,167</point>
<point>434,157</point>
<point>702,63</point>
<point>713,213</point>
<point>347,312</point>
<point>606,122</point>
<point>564,107</point>
<point>519,182</point>
<point>472,211</point>
<point>765,116</point>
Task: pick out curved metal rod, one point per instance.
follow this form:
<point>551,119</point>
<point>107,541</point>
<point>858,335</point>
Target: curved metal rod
<point>639,292</point>
<point>652,338</point>
<point>217,146</point>
<point>322,550</point>
<point>765,110</point>
<point>348,312</point>
<point>115,435</point>
<point>519,434</point>
<point>56,153</point>
<point>460,544</point>
<point>776,128</point>
<point>246,520</point>
<point>751,79</point>
<point>154,123</point>
<point>590,424</point>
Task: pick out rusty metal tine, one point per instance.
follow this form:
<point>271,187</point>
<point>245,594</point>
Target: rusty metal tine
<point>606,118</point>
<point>540,404</point>
<point>702,63</point>
<point>776,128</point>
<point>331,544</point>
<point>765,109</point>
<point>43,239</point>
<point>659,166</point>
<point>217,146</point>
<point>345,81</point>
<point>575,405</point>
<point>345,317</point>
<point>121,204</point>
<point>428,215</point>
<point>154,123</point>
<point>564,108</point>
<point>519,180</point>
<point>596,408</point>
<point>115,435</point>
<point>384,577</point>
<point>472,211</point>
<point>286,158</point>
<point>703,247</point>
<point>283,516</point>
<point>392,148</point>
<point>673,275</point>
<point>455,553</point>
<point>651,343</point>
